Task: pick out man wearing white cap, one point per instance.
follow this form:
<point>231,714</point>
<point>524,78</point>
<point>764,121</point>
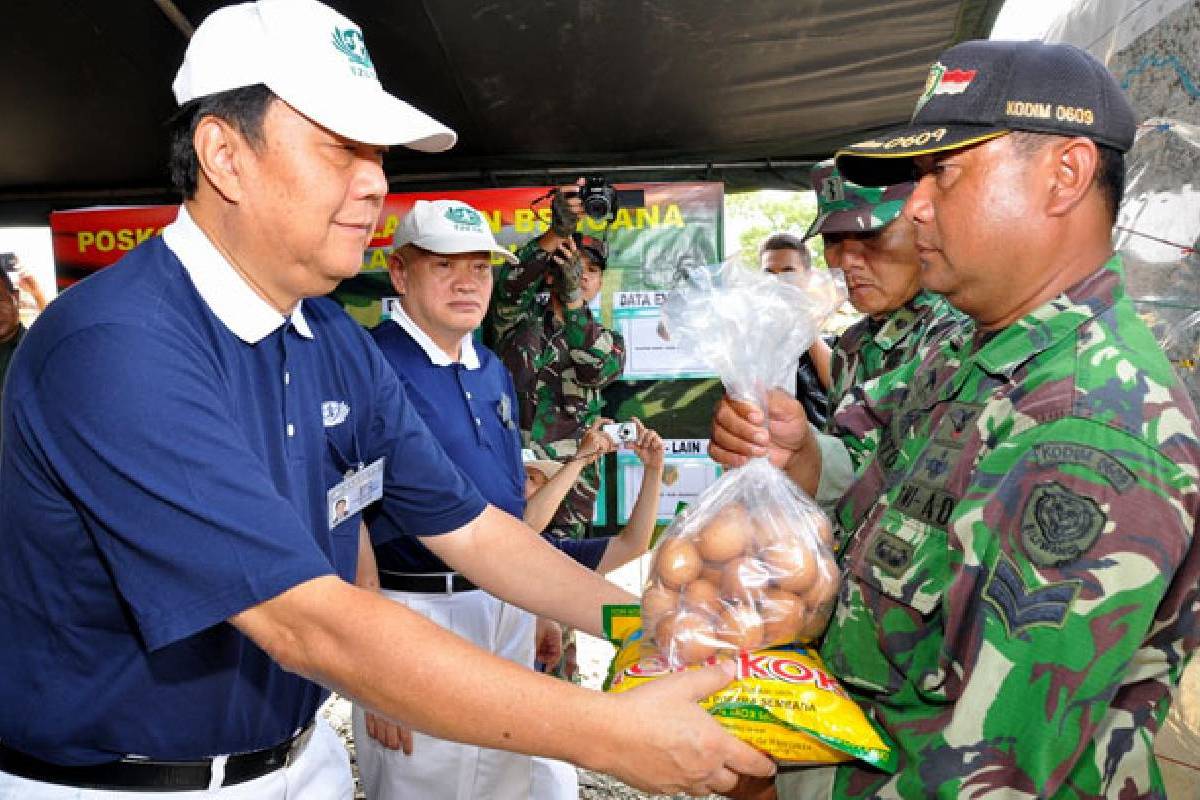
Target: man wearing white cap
<point>441,269</point>
<point>178,431</point>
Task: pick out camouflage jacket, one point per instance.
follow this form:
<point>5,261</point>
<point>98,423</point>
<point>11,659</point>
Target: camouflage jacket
<point>1020,585</point>
<point>867,349</point>
<point>559,368</point>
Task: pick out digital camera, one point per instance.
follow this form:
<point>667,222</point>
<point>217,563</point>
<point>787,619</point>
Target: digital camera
<point>621,432</point>
<point>601,200</point>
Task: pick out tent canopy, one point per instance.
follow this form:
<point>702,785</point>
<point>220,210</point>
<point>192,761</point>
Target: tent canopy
<point>750,92</point>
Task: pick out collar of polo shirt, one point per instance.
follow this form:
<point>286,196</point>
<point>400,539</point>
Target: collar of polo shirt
<point>231,299</point>
<point>469,358</point>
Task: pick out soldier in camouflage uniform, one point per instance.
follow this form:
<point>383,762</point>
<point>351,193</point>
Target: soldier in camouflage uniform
<point>559,355</point>
<point>867,238</point>
<point>1020,582</point>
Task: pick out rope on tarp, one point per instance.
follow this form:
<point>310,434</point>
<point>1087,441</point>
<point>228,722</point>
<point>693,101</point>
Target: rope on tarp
<point>1184,249</point>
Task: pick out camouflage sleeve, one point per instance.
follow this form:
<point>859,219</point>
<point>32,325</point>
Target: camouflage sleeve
<point>597,352</point>
<point>1059,557</point>
<point>519,353</point>
<point>867,410</point>
<point>515,293</point>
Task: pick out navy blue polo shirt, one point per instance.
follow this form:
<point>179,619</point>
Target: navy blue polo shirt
<point>471,408</point>
<point>169,441</point>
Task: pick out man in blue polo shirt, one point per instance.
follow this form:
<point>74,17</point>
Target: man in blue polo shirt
<point>441,269</point>
<point>179,431</point>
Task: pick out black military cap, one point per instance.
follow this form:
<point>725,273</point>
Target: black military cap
<point>979,90</point>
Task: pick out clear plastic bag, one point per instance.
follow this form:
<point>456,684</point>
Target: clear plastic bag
<point>750,563</point>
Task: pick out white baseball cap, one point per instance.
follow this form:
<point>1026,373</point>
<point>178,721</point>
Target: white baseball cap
<point>448,227</point>
<point>315,60</point>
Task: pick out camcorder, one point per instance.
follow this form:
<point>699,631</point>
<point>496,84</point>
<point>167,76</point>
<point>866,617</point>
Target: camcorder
<point>601,200</point>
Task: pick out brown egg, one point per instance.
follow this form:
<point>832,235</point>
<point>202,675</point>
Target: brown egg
<point>678,562</point>
<point>741,626</point>
<point>658,601</point>
<point>711,573</point>
<point>813,624</point>
<point>741,577</point>
<point>793,566</point>
<point>824,530</point>
<point>726,535</point>
<point>701,595</point>
<point>824,588</point>
<point>783,613</point>
<point>686,637</point>
<point>769,527</point>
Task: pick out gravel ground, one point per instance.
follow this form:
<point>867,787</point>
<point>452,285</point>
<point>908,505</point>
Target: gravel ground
<point>593,655</point>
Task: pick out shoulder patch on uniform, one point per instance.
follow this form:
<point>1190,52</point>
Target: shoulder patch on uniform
<point>927,503</point>
<point>956,423</point>
<point>1022,608</point>
<point>1059,525</point>
<point>1053,454</point>
<point>890,553</point>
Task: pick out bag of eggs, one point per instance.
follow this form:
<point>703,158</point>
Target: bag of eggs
<point>750,563</point>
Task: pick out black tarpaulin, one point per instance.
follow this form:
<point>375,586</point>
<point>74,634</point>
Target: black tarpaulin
<point>746,92</point>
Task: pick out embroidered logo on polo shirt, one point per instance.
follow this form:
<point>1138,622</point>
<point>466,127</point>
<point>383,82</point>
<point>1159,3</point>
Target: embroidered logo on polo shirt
<point>334,412</point>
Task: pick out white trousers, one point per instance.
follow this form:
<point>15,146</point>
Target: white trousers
<point>554,780</point>
<point>321,772</point>
<point>441,770</point>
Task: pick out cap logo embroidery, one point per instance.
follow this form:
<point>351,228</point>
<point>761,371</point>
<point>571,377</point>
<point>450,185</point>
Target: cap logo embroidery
<point>942,80</point>
<point>1020,108</point>
<point>914,140</point>
<point>463,218</point>
<point>832,189</point>
<point>351,44</point>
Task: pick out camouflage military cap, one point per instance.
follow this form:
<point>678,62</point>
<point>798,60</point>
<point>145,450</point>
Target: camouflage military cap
<point>844,207</point>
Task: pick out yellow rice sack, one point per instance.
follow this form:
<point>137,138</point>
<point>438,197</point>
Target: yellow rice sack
<point>783,701</point>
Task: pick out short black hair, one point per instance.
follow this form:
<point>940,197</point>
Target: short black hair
<point>244,108</point>
<point>1110,176</point>
<point>786,241</point>
<point>1110,169</point>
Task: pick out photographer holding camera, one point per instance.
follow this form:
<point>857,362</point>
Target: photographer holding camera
<point>559,355</point>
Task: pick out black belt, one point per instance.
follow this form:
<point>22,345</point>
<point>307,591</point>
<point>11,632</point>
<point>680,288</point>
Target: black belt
<point>133,773</point>
<point>433,583</point>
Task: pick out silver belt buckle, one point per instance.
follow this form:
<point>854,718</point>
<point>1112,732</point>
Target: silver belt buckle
<point>301,742</point>
<point>449,582</point>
